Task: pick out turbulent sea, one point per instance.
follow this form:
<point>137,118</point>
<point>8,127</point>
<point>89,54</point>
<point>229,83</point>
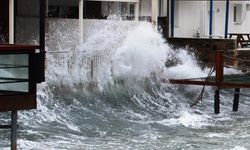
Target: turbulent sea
<point>107,94</point>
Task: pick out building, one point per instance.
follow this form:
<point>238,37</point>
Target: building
<point>192,18</point>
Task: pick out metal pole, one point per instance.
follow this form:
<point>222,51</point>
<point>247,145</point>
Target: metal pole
<point>236,99</point>
<point>160,8</point>
<point>211,19</point>
<point>226,19</point>
<point>172,17</point>
<point>14,130</point>
<point>217,101</point>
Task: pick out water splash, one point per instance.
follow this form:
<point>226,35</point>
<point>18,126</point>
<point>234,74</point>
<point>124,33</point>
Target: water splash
<point>131,109</point>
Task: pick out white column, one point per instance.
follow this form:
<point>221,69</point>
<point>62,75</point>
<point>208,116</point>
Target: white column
<point>137,10</point>
<point>11,21</point>
<point>154,10</point>
<point>80,21</point>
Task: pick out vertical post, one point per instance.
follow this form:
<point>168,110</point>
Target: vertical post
<point>42,24</point>
<point>219,78</point>
<point>160,7</point>
<point>168,18</point>
<point>217,101</point>
<point>42,14</point>
<point>172,17</point>
<point>236,99</point>
<point>11,21</point>
<point>47,8</point>
<point>92,69</point>
<point>80,21</point>
<point>154,10</point>
<point>211,19</point>
<point>14,130</point>
<point>226,19</point>
<point>219,59</point>
<point>137,10</point>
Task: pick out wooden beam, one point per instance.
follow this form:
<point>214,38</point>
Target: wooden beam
<point>17,102</point>
<point>219,69</point>
<point>208,83</point>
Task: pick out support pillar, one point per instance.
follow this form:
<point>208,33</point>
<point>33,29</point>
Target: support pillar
<point>14,130</point>
<point>211,19</point>
<point>137,10</point>
<point>217,101</point>
<point>11,21</point>
<point>80,22</point>
<point>172,17</point>
<point>226,19</point>
<point>168,7</point>
<point>219,73</point>
<point>154,10</point>
<point>219,60</point>
<point>236,99</point>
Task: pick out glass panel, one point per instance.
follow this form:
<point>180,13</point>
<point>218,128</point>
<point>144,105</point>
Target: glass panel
<point>63,9</point>
<point>4,23</point>
<point>27,22</point>
<point>14,73</point>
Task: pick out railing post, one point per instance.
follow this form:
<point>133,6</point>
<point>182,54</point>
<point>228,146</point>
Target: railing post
<point>217,101</point>
<point>219,60</point>
<point>236,99</point>
<point>14,130</point>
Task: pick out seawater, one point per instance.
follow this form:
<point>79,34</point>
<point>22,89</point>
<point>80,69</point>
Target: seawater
<point>107,94</point>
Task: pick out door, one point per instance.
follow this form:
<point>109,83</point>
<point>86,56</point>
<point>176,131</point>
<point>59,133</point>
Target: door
<point>4,21</point>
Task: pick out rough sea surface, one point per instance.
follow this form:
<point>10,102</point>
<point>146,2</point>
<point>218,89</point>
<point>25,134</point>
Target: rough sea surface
<point>107,94</point>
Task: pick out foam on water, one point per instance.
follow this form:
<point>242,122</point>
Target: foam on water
<point>107,94</point>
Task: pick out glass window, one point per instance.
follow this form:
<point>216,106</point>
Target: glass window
<point>237,13</point>
<point>102,10</point>
<point>4,21</point>
<point>63,9</point>
<point>27,22</point>
<point>14,73</point>
<point>248,7</point>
